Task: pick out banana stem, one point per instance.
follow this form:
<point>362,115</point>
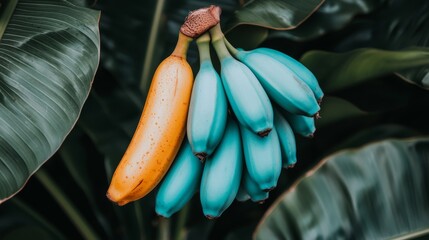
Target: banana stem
<point>153,37</point>
<point>231,48</point>
<point>164,229</point>
<point>181,222</point>
<point>182,46</point>
<point>218,42</point>
<point>203,44</point>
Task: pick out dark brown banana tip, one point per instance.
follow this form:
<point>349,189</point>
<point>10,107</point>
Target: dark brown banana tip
<point>317,115</point>
<point>264,133</point>
<point>202,156</point>
<point>311,135</point>
<point>211,217</point>
<point>268,189</point>
<point>199,21</point>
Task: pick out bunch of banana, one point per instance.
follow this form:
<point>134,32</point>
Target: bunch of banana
<point>227,134</point>
<point>162,125</point>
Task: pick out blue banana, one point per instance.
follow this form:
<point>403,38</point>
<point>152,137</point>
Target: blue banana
<point>252,189</point>
<point>181,182</point>
<point>263,158</point>
<point>208,107</point>
<point>286,139</point>
<point>302,125</point>
<point>297,67</point>
<point>246,96</point>
<point>222,173</point>
<point>281,84</point>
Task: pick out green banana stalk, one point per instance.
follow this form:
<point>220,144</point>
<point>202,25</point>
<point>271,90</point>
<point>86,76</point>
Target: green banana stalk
<point>247,98</point>
<point>281,84</point>
<point>208,107</point>
<point>302,125</point>
<point>251,187</point>
<point>180,183</point>
<point>302,72</point>
<point>222,173</point>
<point>263,157</point>
<point>286,139</point>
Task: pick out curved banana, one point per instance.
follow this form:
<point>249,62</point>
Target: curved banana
<point>222,173</point>
<point>263,157</point>
<point>160,130</point>
<point>302,72</point>
<point>251,187</point>
<point>208,108</point>
<point>282,85</point>
<point>286,139</point>
<point>247,97</point>
<point>302,125</point>
<point>180,183</point>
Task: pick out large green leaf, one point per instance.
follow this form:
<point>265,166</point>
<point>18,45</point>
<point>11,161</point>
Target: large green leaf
<point>49,54</point>
<point>403,25</point>
<point>249,25</point>
<point>375,192</point>
<point>396,25</point>
<point>337,71</point>
<point>273,14</point>
<point>332,16</point>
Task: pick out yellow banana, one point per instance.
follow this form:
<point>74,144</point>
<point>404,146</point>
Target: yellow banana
<point>160,130</point>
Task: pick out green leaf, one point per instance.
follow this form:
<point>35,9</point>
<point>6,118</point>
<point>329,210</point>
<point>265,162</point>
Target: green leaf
<point>338,71</point>
<point>273,14</point>
<point>397,25</point>
<point>332,16</point>
<point>83,3</point>
<point>77,161</point>
<point>17,218</point>
<point>249,25</point>
<point>48,58</point>
<point>335,109</point>
<point>375,192</point>
<point>254,36</point>
<point>403,25</point>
